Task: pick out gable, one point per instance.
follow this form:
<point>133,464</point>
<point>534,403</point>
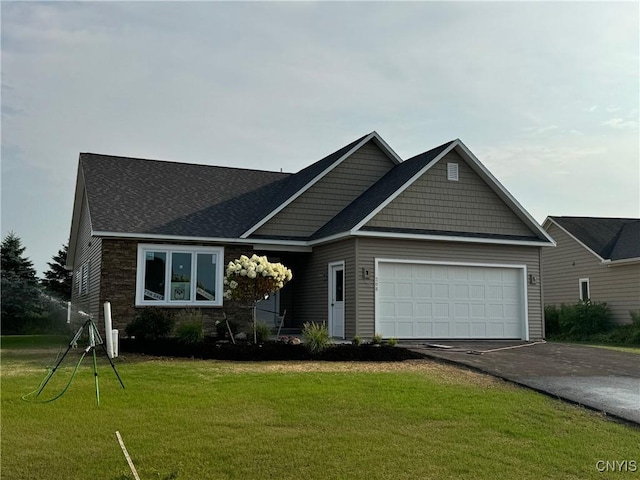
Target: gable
<point>435,204</point>
<point>608,239</point>
<point>331,194</point>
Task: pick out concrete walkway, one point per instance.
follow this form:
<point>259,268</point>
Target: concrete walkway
<point>604,380</point>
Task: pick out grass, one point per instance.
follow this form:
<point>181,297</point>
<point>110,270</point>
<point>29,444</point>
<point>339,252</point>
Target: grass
<point>193,419</point>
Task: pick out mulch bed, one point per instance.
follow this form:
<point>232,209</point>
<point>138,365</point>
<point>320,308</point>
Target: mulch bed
<point>247,352</point>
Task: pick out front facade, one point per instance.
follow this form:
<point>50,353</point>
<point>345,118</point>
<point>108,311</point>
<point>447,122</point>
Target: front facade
<point>428,248</point>
<point>596,259</point>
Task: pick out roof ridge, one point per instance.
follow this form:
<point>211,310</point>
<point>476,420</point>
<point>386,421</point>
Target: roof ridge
<point>176,162</point>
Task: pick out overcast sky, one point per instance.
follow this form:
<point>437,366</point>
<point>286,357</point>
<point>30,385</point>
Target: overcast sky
<point>544,94</point>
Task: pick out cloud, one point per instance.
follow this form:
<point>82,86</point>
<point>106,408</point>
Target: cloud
<point>620,123</point>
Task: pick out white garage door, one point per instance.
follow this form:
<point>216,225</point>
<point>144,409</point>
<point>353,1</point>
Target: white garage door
<point>419,300</point>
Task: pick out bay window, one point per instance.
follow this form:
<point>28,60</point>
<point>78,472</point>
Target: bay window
<point>179,275</point>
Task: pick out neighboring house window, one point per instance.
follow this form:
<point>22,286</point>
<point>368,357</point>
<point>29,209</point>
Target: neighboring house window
<point>82,279</point>
<point>179,275</point>
<point>452,172</point>
<point>585,294</point>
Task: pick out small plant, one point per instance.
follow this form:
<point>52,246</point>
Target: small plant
<point>222,332</point>
<point>316,336</point>
<point>150,324</point>
<point>376,339</point>
<point>357,341</point>
<point>392,342</point>
<point>262,332</point>
<point>191,326</point>
<point>191,332</point>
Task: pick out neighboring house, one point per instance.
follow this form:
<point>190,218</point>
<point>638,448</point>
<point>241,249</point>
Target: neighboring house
<point>596,259</point>
<point>431,247</point>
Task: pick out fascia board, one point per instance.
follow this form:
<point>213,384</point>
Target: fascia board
<point>78,200</point>
<point>447,238</point>
<point>384,146</point>
<point>406,185</point>
<point>183,238</point>
<point>502,191</point>
<point>602,260</point>
<point>310,184</point>
<point>621,262</point>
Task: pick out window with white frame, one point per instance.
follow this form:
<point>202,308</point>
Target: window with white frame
<point>585,294</point>
<point>179,275</point>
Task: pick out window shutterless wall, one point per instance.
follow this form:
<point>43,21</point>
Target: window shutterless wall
<point>179,275</point>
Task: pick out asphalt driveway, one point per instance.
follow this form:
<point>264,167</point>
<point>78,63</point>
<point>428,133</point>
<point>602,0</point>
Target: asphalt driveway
<point>604,380</point>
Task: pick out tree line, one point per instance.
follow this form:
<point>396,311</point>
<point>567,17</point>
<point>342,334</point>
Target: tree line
<point>30,304</point>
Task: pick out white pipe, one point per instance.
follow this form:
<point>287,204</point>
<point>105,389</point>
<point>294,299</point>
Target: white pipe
<point>114,342</point>
<point>68,312</point>
<point>107,328</point>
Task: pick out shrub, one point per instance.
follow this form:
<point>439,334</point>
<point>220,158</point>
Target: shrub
<point>191,332</point>
<point>262,332</point>
<point>150,324</point>
<point>584,319</point>
<point>316,336</point>
<point>392,342</point>
<point>357,341</point>
<point>191,326</point>
<point>635,317</point>
<point>376,339</point>
<point>551,320</point>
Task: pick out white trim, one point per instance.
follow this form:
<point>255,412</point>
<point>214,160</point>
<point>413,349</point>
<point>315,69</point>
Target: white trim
<point>448,238</point>
<point>477,166</point>
<point>373,135</point>
<point>522,267</point>
<point>604,261</point>
<point>406,185</point>
<point>306,245</point>
<point>169,249</point>
<point>510,198</point>
<point>182,238</point>
<point>549,219</point>
<point>622,261</point>
<point>277,247</point>
<point>580,282</point>
<point>330,286</point>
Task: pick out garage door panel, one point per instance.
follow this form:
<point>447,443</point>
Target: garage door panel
<point>449,301</point>
<point>440,290</point>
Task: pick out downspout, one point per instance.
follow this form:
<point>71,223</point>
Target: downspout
<point>544,333</point>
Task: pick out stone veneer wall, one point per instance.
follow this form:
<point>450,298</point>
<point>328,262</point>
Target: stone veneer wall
<point>118,286</point>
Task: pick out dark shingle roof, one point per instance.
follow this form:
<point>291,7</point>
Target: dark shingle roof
<point>611,238</point>
<point>157,197</point>
<point>133,195</point>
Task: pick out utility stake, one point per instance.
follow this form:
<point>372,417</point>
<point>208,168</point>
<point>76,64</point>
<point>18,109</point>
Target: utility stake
<point>126,455</point>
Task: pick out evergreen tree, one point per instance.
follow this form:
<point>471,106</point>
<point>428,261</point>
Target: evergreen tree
<point>20,292</point>
<point>13,259</point>
<point>58,281</point>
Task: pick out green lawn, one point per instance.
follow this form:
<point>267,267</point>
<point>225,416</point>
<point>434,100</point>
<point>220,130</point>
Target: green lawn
<point>192,419</point>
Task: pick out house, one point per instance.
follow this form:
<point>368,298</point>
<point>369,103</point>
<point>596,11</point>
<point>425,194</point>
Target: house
<point>596,259</point>
<point>431,247</point>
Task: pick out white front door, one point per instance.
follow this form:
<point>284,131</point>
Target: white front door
<point>336,299</point>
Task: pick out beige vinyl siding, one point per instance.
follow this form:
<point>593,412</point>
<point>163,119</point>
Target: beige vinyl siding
<point>434,203</point>
<point>370,249</point>
<point>565,265</point>
<point>89,252</point>
<point>312,302</point>
<point>321,202</point>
